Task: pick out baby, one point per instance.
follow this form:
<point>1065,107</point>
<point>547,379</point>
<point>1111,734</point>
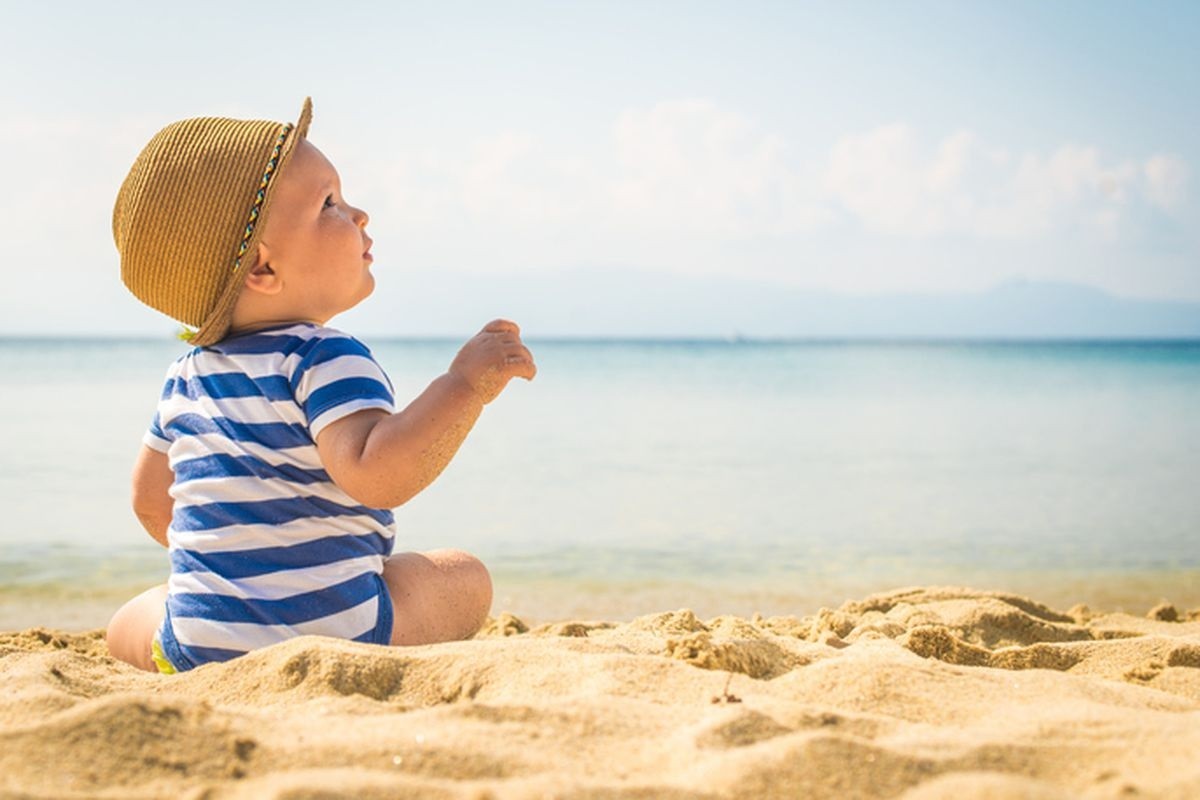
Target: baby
<point>276,453</point>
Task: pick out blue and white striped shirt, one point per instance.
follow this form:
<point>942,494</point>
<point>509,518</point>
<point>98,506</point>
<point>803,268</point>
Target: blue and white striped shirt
<point>264,546</point>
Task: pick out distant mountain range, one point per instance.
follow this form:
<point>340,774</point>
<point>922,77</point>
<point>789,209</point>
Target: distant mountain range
<point>635,304</point>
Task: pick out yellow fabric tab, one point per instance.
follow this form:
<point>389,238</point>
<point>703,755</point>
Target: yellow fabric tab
<point>160,658</point>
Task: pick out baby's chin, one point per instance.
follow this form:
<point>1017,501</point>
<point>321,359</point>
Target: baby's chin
<point>368,287</point>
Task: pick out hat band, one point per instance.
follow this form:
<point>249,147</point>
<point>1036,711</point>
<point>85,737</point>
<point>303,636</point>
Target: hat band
<point>261,195</point>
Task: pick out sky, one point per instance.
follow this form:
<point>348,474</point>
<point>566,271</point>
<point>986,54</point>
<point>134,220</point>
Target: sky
<point>512,155</point>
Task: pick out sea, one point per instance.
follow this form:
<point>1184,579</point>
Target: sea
<point>725,476</point>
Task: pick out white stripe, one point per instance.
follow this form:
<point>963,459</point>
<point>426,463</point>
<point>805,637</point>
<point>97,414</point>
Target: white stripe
<point>348,624</point>
<point>156,443</point>
<point>189,447</point>
<point>344,410</point>
<point>276,585</point>
<point>288,366</point>
<point>250,488</point>
<point>254,365</point>
<point>251,537</point>
<point>350,365</point>
<point>256,409</point>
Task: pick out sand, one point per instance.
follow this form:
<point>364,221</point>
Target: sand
<point>921,693</point>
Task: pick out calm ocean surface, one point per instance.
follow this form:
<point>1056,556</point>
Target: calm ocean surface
<point>729,477</point>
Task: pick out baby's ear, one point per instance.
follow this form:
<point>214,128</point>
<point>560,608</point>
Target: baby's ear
<point>261,278</point>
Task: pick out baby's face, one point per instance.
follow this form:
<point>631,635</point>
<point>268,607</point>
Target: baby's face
<point>315,241</point>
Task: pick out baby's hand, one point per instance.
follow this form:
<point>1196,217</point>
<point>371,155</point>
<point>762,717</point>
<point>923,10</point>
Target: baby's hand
<point>492,358</point>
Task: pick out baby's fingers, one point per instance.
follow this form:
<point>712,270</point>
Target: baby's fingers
<point>521,365</point>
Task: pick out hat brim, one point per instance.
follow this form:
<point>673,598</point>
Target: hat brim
<point>217,324</point>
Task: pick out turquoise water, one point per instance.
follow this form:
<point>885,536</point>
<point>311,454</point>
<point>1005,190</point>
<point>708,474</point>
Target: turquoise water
<point>725,476</point>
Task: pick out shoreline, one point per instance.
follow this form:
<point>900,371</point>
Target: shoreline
<point>923,692</point>
<point>540,601</point>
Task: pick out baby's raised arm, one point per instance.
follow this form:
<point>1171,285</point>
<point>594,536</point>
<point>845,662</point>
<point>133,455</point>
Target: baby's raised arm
<point>383,460</point>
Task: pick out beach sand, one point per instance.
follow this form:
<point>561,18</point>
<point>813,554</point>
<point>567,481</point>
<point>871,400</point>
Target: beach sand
<point>920,693</point>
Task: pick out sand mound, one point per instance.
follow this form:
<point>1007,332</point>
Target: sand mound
<point>918,694</point>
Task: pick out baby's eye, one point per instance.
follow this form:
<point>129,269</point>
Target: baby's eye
<point>329,202</point>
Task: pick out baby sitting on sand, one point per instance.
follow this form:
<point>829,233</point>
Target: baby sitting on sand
<point>276,452</point>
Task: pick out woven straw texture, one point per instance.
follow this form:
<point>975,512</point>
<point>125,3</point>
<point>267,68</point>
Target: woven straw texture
<point>194,195</point>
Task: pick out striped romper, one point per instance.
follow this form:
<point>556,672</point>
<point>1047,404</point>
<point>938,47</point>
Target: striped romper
<point>263,544</point>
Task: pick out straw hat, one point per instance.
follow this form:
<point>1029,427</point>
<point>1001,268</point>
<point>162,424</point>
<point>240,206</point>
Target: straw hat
<point>189,214</point>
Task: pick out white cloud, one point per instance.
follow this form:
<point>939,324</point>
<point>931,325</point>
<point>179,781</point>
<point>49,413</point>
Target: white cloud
<point>508,176</point>
<point>685,185</point>
<point>1166,181</point>
<point>883,179</point>
<point>1071,186</point>
<point>691,168</point>
<point>678,168</point>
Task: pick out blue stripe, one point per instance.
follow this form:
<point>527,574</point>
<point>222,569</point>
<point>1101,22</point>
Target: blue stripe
<point>205,655</point>
<point>206,516</point>
<point>222,465</point>
<point>261,343</point>
<point>293,610</point>
<point>184,657</point>
<point>275,435</point>
<point>229,384</point>
<point>320,351</point>
<point>344,391</point>
<point>170,646</point>
<point>236,564</point>
<point>382,634</point>
<point>156,427</point>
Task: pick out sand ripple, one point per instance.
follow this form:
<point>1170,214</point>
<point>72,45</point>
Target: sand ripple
<point>924,693</point>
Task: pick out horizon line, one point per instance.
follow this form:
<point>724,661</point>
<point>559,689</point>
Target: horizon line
<point>681,339</point>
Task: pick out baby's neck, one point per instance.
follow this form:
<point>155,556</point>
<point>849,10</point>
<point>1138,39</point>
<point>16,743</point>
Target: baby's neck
<point>250,315</point>
<point>241,330</point>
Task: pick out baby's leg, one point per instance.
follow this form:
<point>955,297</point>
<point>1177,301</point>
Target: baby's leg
<point>438,596</point>
<point>133,626</point>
